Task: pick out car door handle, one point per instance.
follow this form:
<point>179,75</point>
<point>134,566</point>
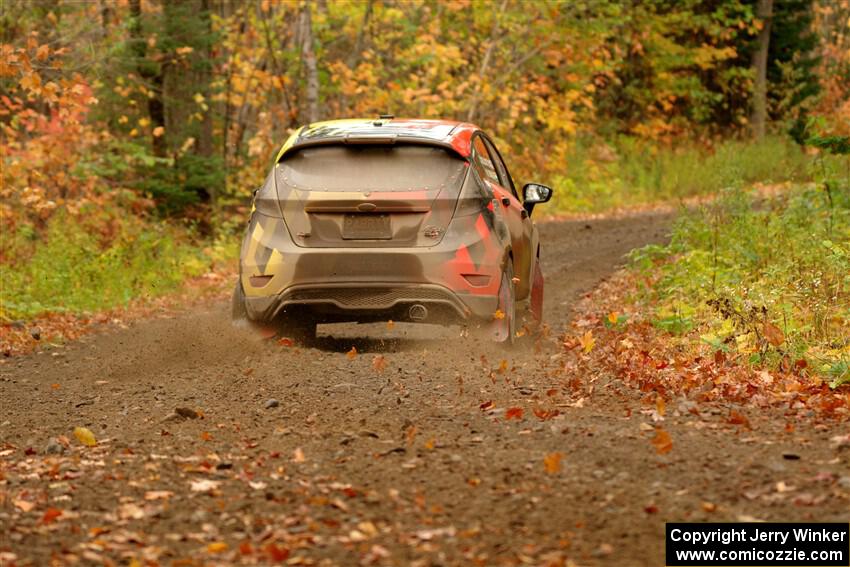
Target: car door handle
<point>506,202</point>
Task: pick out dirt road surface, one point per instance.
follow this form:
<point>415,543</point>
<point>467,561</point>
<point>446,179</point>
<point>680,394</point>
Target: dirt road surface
<point>407,453</point>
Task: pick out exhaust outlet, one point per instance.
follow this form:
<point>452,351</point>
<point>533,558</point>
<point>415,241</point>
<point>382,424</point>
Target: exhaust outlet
<point>418,312</point>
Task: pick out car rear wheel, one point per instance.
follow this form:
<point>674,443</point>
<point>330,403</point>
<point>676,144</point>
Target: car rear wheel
<point>504,324</point>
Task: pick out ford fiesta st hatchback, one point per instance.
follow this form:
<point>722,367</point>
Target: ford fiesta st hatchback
<point>389,219</point>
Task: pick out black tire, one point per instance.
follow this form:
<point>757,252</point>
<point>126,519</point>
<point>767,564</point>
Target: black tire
<point>505,329</point>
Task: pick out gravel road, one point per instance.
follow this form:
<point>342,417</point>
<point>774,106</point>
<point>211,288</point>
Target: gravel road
<point>411,452</point>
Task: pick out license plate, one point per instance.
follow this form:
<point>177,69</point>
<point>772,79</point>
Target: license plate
<point>366,227</point>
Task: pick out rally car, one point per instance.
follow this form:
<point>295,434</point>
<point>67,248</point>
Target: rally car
<point>387,219</point>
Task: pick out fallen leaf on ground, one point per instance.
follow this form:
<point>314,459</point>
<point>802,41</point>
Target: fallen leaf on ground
<point>736,418</point>
<point>662,441</point>
<point>23,505</point>
<point>277,554</point>
<point>410,434</point>
<point>158,494</point>
<point>514,413</point>
<point>587,341</point>
<point>204,485</point>
<point>217,547</point>
<point>352,354</point>
<point>50,516</point>
<point>499,314</point>
<point>379,363</point>
<point>85,436</point>
<point>298,455</point>
<point>285,342</point>
<point>552,462</point>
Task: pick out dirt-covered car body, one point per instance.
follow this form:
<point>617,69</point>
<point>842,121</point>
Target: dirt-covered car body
<point>389,219</point>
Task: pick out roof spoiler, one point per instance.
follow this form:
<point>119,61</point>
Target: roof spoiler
<point>366,139</point>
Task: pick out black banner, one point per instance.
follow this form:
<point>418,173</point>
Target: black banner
<point>758,544</point>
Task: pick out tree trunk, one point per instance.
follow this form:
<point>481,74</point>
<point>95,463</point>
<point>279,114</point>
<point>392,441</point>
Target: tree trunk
<point>759,116</point>
<point>206,148</point>
<point>153,74</point>
<point>308,57</point>
<point>485,63</point>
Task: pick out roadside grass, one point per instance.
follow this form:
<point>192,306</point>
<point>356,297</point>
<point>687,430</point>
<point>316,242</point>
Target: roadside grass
<point>629,172</point>
<point>90,262</point>
<point>766,282</point>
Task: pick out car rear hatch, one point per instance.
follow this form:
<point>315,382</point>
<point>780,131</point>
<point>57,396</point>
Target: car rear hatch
<point>376,194</point>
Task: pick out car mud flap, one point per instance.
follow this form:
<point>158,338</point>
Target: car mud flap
<point>537,294</point>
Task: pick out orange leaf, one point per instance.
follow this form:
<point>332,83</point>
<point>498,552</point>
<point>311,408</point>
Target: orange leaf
<point>390,324</point>
<point>50,516</point>
<point>552,462</point>
<point>217,547</point>
<point>352,354</point>
<point>662,441</point>
<point>613,317</point>
<point>514,413</point>
<point>544,415</point>
<point>277,553</point>
<point>285,342</point>
<point>736,418</point>
<point>42,53</point>
<point>503,366</point>
<point>379,363</point>
<point>660,406</point>
<point>499,314</point>
<point>205,436</point>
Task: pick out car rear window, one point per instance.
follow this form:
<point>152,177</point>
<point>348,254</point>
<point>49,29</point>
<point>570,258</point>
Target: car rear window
<point>370,168</point>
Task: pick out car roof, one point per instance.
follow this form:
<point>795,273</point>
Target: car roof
<point>452,135</point>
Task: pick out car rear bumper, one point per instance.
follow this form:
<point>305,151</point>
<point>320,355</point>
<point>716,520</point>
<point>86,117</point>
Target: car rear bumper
<point>372,302</point>
<point>364,283</point>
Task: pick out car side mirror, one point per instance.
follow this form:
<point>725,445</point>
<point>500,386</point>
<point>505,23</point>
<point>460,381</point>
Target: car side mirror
<point>533,193</point>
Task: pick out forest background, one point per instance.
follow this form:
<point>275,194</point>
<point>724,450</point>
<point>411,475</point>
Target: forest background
<point>134,132</point>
